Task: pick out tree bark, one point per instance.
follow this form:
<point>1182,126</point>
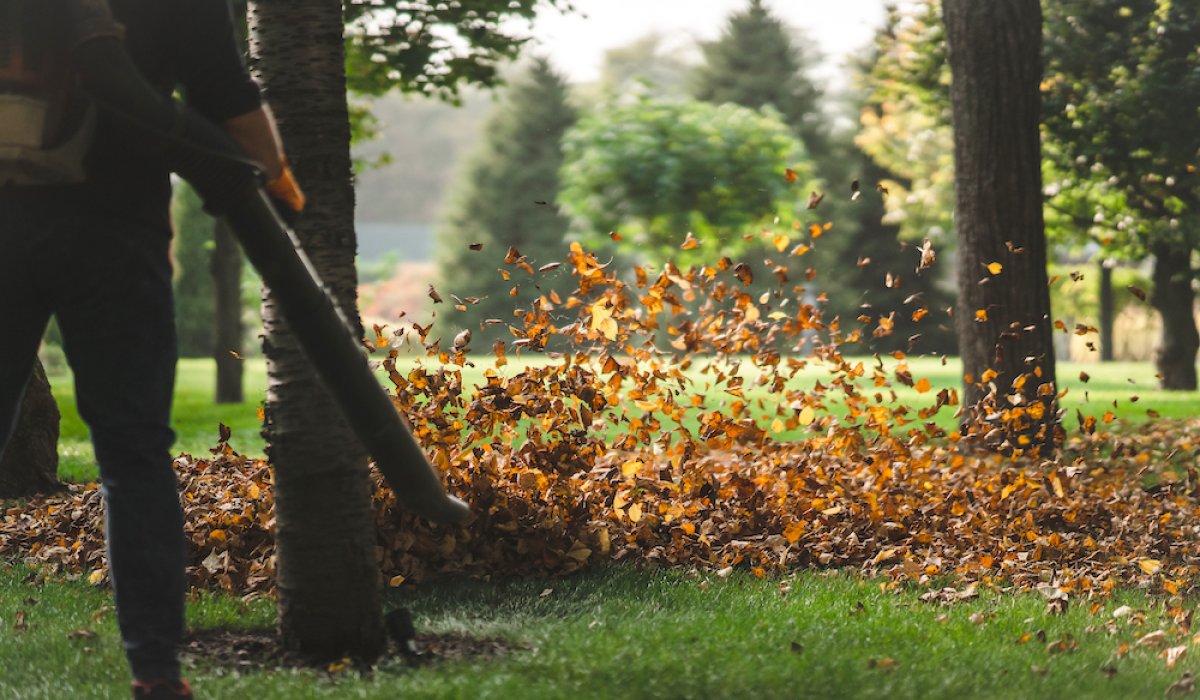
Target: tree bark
<point>328,578</point>
<point>1003,312</point>
<point>1107,312</point>
<point>1175,358</point>
<point>30,462</point>
<point>227,315</point>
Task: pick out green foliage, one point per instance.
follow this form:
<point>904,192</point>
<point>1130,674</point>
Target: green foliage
<point>506,199</point>
<point>194,300</point>
<point>906,121</point>
<point>756,64</point>
<point>434,48</point>
<point>655,170</point>
<point>1122,88</point>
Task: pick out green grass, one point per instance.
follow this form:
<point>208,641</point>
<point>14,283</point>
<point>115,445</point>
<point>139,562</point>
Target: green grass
<point>194,416</point>
<point>628,633</point>
<point>624,633</point>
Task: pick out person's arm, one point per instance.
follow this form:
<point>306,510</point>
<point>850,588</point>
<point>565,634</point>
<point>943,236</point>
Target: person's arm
<point>258,136</point>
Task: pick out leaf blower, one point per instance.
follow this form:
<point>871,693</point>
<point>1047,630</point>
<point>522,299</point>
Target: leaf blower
<point>33,149</point>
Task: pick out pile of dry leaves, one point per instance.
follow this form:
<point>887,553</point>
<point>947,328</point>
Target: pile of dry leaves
<point>681,424</point>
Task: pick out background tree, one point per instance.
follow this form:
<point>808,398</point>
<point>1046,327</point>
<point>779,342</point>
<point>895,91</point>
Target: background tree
<point>645,66</point>
<point>759,61</point>
<point>30,461</point>
<point>433,48</point>
<point>755,63</point>
<point>1121,80</point>
<point>656,170</point>
<point>1003,313</point>
<point>506,198</point>
<point>192,253</point>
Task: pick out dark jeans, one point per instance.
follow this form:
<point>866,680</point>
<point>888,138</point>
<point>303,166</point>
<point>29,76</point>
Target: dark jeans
<point>105,275</point>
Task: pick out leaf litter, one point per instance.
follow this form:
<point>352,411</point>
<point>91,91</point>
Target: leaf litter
<point>685,418</point>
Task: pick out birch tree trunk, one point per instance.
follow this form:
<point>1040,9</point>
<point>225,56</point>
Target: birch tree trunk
<point>327,575</point>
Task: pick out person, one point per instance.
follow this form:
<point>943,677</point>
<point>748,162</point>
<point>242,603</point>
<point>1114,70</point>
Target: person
<point>96,256</point>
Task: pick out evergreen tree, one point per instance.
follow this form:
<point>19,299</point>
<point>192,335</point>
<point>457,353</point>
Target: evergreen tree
<point>506,198</point>
<point>755,63</point>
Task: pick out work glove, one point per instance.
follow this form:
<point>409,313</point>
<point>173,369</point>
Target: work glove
<point>287,196</point>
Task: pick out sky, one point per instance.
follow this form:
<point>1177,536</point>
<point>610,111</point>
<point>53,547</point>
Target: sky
<point>576,42</point>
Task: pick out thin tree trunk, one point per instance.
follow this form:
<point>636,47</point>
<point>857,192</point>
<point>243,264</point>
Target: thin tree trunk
<point>328,578</point>
<point>1003,312</point>
<point>1107,312</point>
<point>30,461</point>
<point>1175,301</point>
<point>227,315</point>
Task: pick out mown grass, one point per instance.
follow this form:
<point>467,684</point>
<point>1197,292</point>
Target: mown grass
<point>627,633</point>
<point>624,633</point>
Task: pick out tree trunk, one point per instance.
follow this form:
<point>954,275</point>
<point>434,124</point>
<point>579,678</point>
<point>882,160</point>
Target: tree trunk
<point>327,575</point>
<point>227,315</point>
<point>30,462</point>
<point>1107,311</point>
<point>1174,299</point>
<point>1003,312</point>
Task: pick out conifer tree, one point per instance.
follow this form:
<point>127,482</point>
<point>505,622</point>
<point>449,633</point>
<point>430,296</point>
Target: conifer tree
<point>756,63</point>
<point>506,198</point>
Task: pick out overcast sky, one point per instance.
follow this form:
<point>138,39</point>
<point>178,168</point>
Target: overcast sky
<point>575,43</point>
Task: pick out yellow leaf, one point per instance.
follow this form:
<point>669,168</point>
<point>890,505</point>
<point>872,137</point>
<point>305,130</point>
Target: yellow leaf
<point>253,491</point>
<point>995,268</point>
<point>923,385</point>
<point>781,242</point>
<point>396,581</point>
<point>631,467</point>
<point>1150,566</point>
<point>807,416</point>
<point>793,532</point>
<point>96,577</point>
<point>635,512</point>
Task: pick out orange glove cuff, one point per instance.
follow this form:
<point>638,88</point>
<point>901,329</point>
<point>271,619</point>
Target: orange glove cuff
<point>285,189</point>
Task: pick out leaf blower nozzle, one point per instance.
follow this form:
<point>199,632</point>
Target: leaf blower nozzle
<point>232,189</point>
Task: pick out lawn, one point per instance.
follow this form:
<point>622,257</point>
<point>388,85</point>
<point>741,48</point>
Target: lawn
<point>624,633</point>
<point>628,632</point>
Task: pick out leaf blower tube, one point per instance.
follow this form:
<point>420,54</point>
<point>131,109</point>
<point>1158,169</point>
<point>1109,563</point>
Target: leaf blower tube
<point>231,187</point>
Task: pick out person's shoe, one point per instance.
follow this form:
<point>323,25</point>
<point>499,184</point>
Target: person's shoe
<point>162,690</point>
